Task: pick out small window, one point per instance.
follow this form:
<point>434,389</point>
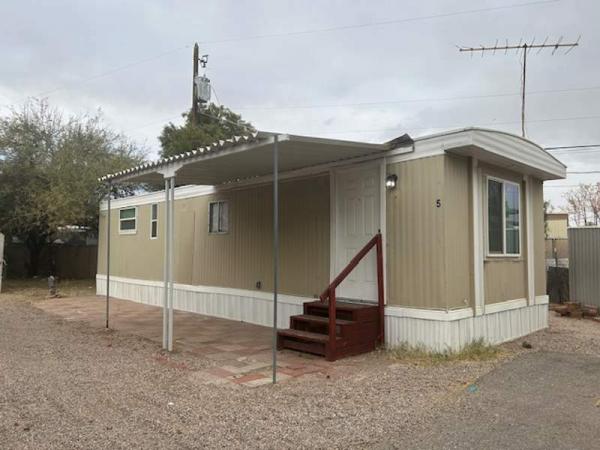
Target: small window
<point>127,221</point>
<point>504,217</point>
<point>154,221</point>
<point>218,220</point>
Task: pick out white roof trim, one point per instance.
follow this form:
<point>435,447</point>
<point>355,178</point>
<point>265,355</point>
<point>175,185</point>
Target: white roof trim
<point>495,147</point>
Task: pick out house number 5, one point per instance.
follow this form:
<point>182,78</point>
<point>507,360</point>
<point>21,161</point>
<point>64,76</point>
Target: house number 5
<point>438,203</point>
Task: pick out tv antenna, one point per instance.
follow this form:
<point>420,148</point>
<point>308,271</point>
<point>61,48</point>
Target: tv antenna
<point>525,48</point>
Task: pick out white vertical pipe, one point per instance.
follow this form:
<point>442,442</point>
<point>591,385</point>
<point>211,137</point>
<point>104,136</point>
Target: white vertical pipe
<point>275,248</point>
<point>529,236</point>
<point>478,246</point>
<point>166,266</point>
<point>107,252</point>
<point>171,252</point>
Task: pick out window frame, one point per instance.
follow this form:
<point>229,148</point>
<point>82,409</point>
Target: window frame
<point>217,202</point>
<point>153,220</point>
<point>134,218</point>
<point>504,254</point>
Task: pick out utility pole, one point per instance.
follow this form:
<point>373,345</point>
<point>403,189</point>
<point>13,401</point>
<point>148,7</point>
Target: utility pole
<point>194,88</point>
<point>526,48</point>
<point>200,84</point>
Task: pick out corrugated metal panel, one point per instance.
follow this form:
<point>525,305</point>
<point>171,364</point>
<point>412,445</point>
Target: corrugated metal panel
<point>438,335</point>
<point>248,157</point>
<point>415,234</point>
<point>584,265</point>
<point>243,256</point>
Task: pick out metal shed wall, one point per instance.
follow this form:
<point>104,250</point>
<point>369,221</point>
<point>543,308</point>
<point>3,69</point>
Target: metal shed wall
<point>584,265</point>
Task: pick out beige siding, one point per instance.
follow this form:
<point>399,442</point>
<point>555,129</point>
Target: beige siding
<point>429,247</point>
<point>133,255</point>
<point>505,278</point>
<point>456,204</point>
<point>243,256</point>
<point>415,235</point>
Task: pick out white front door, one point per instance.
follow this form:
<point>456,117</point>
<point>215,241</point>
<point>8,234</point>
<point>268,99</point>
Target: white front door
<point>357,220</point>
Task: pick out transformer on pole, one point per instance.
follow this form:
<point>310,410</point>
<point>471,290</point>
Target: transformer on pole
<point>200,84</point>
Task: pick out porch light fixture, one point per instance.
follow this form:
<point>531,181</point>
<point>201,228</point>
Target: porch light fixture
<point>390,181</point>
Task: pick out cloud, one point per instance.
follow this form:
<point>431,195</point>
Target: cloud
<point>61,46</point>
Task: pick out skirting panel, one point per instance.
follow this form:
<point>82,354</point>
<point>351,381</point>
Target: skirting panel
<point>433,330</point>
<point>233,304</point>
<point>493,328</point>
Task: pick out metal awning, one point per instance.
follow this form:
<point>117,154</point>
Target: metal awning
<point>232,160</point>
<point>248,157</point>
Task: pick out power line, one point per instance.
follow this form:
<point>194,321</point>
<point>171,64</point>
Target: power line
<point>112,71</point>
<point>396,128</point>
<point>414,100</point>
<point>566,147</point>
<point>301,32</point>
<point>377,23</point>
<point>575,152</point>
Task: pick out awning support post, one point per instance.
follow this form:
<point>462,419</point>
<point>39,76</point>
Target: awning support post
<point>165,342</point>
<point>108,251</point>
<point>275,248</point>
<point>171,251</point>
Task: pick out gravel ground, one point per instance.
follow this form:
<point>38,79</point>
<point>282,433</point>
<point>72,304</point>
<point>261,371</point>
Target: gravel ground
<point>65,385</point>
<point>541,400</point>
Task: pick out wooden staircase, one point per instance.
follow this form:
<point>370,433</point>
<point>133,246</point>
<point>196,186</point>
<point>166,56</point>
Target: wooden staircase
<point>338,329</point>
<point>356,330</point>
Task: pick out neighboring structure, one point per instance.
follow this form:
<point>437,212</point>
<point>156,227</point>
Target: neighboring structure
<point>584,269</point>
<point>557,244</point>
<point>556,225</point>
<point>461,216</point>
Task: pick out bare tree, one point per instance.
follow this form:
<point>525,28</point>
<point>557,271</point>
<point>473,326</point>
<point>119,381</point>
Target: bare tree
<point>584,204</point>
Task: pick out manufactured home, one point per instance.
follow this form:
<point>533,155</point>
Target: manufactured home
<point>436,241</point>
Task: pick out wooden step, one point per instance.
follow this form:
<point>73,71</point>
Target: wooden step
<point>319,324</point>
<point>320,319</point>
<point>305,335</point>
<point>304,341</point>
<point>344,310</point>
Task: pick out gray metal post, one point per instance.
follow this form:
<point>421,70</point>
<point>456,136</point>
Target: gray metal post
<point>107,251</point>
<point>275,248</point>
<point>166,267</point>
<point>171,251</point>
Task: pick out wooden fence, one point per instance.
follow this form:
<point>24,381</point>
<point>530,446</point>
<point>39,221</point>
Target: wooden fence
<point>70,261</point>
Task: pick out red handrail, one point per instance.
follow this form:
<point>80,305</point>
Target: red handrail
<point>329,292</point>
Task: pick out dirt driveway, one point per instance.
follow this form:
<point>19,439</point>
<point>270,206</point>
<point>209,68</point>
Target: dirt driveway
<point>64,384</point>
